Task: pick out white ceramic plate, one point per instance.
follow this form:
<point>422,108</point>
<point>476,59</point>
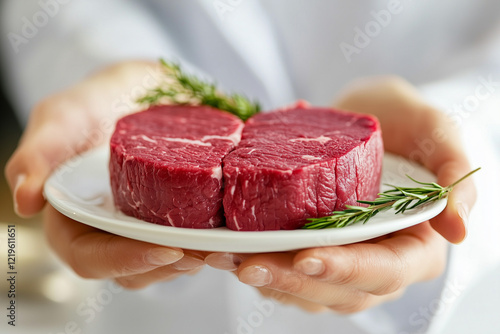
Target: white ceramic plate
<point>80,190</point>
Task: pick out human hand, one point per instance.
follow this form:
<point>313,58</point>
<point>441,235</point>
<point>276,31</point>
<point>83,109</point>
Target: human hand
<point>354,277</point>
<point>344,279</point>
<point>417,131</point>
<point>67,124</point>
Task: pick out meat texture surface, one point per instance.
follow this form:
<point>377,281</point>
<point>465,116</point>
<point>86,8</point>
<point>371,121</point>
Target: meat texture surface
<point>165,164</point>
<point>300,163</point>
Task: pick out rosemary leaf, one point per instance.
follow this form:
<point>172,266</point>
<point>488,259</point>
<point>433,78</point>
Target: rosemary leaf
<point>400,199</point>
<point>181,88</point>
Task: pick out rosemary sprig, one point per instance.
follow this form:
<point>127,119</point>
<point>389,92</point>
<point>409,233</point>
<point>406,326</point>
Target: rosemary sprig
<point>181,88</point>
<point>398,198</point>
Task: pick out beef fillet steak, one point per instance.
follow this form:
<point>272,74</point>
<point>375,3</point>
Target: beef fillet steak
<point>300,163</point>
<point>165,164</point>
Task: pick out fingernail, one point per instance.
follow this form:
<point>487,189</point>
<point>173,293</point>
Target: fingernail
<point>162,256</point>
<point>188,263</point>
<point>310,266</point>
<point>223,261</point>
<point>463,212</point>
<point>19,182</point>
<point>255,276</point>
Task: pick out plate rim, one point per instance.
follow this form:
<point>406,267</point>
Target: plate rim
<point>241,241</point>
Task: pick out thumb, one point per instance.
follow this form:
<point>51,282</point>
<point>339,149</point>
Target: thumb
<point>70,122</point>
<point>452,222</point>
<point>47,142</point>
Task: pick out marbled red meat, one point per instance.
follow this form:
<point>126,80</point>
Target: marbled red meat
<point>299,163</point>
<point>165,164</point>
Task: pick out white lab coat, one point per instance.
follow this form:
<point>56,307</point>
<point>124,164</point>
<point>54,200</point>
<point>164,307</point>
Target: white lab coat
<point>278,51</point>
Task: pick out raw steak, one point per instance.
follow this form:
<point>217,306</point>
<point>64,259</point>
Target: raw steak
<point>165,164</point>
<point>300,163</point>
